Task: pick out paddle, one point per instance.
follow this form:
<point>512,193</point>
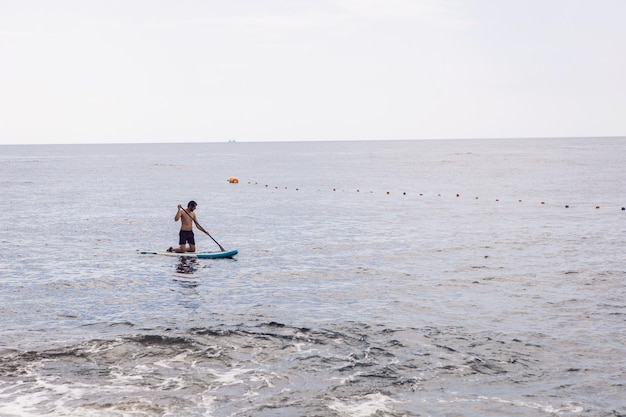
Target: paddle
<point>202,228</point>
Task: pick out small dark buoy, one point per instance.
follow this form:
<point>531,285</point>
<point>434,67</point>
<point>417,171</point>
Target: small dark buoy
<point>566,206</point>
<point>388,193</point>
<point>404,193</point>
<point>623,208</point>
<point>543,202</point>
<point>597,207</point>
<point>457,195</point>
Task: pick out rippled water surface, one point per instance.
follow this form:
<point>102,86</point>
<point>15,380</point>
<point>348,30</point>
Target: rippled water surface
<point>417,278</point>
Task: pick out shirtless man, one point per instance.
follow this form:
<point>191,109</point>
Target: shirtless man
<point>185,236</point>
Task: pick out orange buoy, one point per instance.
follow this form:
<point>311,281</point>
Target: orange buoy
<point>233,180</point>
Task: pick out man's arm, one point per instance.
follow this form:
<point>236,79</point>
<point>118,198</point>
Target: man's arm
<point>195,220</point>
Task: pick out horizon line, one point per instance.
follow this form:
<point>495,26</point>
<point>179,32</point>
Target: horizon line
<point>233,141</point>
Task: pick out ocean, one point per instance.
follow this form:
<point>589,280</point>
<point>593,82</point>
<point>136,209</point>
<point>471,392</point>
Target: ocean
<point>374,278</point>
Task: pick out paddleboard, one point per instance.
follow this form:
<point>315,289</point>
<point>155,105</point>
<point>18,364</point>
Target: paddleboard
<point>199,255</point>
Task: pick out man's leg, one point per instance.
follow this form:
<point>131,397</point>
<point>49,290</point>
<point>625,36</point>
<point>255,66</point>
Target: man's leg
<point>182,242</point>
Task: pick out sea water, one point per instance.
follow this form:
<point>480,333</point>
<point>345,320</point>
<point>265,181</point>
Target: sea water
<point>384,278</point>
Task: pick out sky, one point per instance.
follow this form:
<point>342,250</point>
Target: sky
<point>134,71</point>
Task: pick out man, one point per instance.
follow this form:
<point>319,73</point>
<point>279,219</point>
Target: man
<point>185,236</point>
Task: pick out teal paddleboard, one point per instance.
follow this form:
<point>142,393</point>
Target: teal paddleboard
<point>199,255</point>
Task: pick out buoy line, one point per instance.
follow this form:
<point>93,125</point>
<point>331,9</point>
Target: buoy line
<point>404,194</point>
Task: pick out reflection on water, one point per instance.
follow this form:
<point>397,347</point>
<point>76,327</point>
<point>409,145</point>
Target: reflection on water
<point>187,265</point>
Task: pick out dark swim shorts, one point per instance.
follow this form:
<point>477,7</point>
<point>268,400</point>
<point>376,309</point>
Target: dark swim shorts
<point>186,236</point>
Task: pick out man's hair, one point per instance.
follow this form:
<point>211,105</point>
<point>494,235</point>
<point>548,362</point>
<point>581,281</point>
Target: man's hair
<point>191,204</point>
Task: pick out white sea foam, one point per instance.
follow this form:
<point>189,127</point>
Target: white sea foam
<point>229,377</point>
<point>366,406</point>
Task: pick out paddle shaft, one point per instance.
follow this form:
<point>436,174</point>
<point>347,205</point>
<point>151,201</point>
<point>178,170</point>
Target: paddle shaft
<point>202,228</point>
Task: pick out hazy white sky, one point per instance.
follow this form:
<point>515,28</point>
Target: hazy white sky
<point>84,71</point>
